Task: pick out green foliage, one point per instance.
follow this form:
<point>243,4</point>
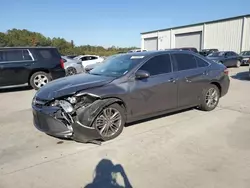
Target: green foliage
<point>17,37</point>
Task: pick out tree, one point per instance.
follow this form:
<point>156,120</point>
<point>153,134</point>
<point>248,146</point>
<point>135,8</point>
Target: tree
<point>3,40</point>
<point>24,37</point>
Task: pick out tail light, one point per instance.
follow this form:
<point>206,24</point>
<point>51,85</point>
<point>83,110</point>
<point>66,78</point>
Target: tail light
<point>226,71</point>
<point>62,63</point>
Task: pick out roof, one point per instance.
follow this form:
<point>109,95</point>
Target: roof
<point>29,47</point>
<point>208,22</point>
<point>150,53</point>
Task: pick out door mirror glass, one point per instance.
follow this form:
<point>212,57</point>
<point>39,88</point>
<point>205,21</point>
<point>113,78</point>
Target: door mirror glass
<point>141,74</point>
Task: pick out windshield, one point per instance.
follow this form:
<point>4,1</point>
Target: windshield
<point>245,53</point>
<point>216,54</point>
<point>117,65</point>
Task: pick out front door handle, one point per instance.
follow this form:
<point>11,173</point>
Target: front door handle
<point>187,80</point>
<point>205,73</point>
<point>172,80</point>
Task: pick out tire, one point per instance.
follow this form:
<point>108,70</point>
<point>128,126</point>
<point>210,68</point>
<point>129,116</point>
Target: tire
<point>204,101</point>
<point>35,84</point>
<point>70,71</point>
<point>121,123</point>
<point>238,64</point>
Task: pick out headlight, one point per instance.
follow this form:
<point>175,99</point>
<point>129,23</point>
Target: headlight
<point>67,107</point>
<point>54,103</point>
<point>72,100</point>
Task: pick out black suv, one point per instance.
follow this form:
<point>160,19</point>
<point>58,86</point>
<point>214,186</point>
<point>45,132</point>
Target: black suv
<point>33,65</point>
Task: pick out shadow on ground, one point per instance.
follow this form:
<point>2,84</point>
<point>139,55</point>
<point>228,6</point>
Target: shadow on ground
<point>15,89</point>
<point>106,175</point>
<point>242,76</point>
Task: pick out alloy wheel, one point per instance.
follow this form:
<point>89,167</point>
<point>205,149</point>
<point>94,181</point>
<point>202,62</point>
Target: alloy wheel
<point>40,80</point>
<point>108,122</point>
<point>71,71</point>
<point>212,97</point>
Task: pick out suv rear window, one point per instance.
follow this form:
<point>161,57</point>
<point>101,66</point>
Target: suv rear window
<point>46,54</point>
<point>15,55</point>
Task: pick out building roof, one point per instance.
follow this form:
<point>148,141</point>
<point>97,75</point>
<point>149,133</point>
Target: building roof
<point>208,22</point>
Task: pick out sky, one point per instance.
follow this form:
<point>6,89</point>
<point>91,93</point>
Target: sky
<point>111,22</point>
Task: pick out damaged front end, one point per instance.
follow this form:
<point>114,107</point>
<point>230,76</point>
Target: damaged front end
<point>71,116</point>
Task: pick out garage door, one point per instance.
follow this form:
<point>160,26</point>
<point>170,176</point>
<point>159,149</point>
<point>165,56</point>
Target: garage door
<point>188,40</point>
<point>151,44</point>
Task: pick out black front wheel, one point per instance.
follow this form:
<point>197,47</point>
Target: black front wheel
<point>210,98</point>
<point>110,122</point>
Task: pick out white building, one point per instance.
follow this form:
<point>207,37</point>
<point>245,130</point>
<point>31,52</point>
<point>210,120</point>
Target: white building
<point>225,34</point>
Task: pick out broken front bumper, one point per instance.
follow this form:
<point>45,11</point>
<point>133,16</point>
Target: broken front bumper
<point>44,120</point>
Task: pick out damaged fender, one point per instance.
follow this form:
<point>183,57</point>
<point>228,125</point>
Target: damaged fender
<point>83,130</point>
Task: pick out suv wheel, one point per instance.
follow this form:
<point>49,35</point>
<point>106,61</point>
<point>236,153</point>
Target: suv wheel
<point>39,79</point>
<point>210,98</point>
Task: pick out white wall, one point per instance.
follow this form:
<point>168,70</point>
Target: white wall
<point>164,40</point>
<point>246,38</point>
<point>224,35</point>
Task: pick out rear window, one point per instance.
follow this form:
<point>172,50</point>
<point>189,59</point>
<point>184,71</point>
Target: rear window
<point>15,55</point>
<point>48,53</point>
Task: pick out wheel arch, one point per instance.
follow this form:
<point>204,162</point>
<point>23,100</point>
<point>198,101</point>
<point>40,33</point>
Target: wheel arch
<point>217,84</point>
<point>118,101</point>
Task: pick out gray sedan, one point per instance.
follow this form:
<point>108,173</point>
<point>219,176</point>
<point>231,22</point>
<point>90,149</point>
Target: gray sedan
<point>72,66</point>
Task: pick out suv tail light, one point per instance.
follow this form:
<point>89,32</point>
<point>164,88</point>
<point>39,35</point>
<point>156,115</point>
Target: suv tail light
<point>226,71</point>
<point>62,63</point>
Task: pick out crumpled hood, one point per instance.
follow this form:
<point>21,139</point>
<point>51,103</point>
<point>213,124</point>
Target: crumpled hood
<point>70,85</point>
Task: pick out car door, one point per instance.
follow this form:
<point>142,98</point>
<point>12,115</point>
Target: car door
<point>234,58</point>
<point>14,66</point>
<point>157,92</point>
<point>228,59</point>
<point>93,60</point>
<point>190,79</point>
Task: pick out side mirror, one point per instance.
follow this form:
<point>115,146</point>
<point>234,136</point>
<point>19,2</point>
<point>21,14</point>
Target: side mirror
<point>141,74</point>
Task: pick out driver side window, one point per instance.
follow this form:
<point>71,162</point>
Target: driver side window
<point>85,58</point>
<point>160,64</point>
<point>227,54</point>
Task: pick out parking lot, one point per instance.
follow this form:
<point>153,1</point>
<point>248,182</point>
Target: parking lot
<point>187,149</point>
